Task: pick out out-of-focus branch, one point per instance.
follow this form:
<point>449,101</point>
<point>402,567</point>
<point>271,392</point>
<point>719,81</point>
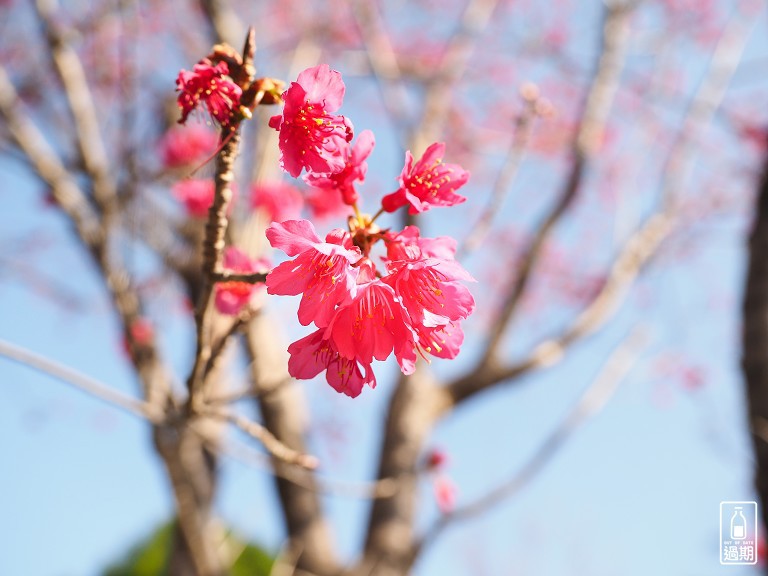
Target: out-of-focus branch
<point>225,24</point>
<point>47,164</point>
<point>591,402</point>
<point>437,100</point>
<point>635,254</point>
<point>283,413</point>
<point>597,106</point>
<point>250,278</point>
<point>185,460</point>
<point>722,65</point>
<point>255,430</point>
<point>303,477</point>
<point>644,243</point>
<point>89,385</point>
<point>69,196</point>
<point>505,177</point>
<point>383,61</point>
<point>70,71</point>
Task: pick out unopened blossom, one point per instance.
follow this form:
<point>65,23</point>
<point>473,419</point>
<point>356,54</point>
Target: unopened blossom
<point>278,200</point>
<point>231,297</point>
<point>140,333</point>
<point>445,492</point>
<point>311,136</point>
<point>211,87</point>
<point>355,167</point>
<point>196,196</point>
<point>436,458</point>
<point>186,146</point>
<point>314,354</point>
<point>322,272</point>
<point>427,183</point>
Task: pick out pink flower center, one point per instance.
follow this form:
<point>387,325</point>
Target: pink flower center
<point>431,180</point>
<point>318,126</point>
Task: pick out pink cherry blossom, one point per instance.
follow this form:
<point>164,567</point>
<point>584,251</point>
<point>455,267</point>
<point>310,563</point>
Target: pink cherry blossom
<point>322,272</point>
<point>427,183</point>
<point>230,297</point>
<point>313,354</point>
<point>185,146</point>
<point>279,200</point>
<point>209,85</point>
<point>196,195</point>
<point>325,203</point>
<point>374,325</point>
<point>445,493</point>
<point>355,167</point>
<point>310,136</point>
<point>426,278</point>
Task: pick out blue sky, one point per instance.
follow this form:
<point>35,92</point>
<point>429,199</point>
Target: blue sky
<point>634,491</point>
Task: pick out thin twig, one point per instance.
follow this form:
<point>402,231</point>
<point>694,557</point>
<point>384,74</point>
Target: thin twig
<point>90,386</point>
<point>597,105</point>
<point>298,475</point>
<point>635,254</point>
<point>383,62</point>
<point>504,179</point>
<point>70,197</point>
<point>645,242</point>
<point>249,277</point>
<point>215,235</point>
<point>276,448</point>
<point>453,65</point>
<point>72,75</point>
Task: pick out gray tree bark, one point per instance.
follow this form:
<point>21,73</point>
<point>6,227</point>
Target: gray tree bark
<point>755,340</point>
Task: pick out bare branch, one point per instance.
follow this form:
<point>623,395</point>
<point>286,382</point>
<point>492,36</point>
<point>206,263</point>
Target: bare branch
<point>635,254</point>
<point>593,118</point>
<point>213,249</point>
<point>225,24</point>
<point>304,477</point>
<point>592,400</point>
<point>643,244</point>
<point>250,278</point>
<point>276,448</point>
<point>90,386</point>
<point>72,75</point>
<point>283,406</point>
<point>47,164</point>
<point>504,179</point>
<point>74,203</point>
<point>383,61</point>
<point>437,101</point>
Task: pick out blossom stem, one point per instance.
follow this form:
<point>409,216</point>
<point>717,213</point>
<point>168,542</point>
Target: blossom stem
<point>358,214</point>
<point>213,249</point>
<point>379,213</point>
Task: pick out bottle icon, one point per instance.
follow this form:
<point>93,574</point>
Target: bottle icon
<point>738,525</point>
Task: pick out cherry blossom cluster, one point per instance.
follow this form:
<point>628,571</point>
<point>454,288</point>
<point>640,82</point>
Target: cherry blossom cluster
<point>412,302</point>
<point>407,301</point>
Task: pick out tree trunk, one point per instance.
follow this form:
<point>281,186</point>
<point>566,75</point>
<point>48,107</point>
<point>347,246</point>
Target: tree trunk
<point>755,340</point>
<point>284,413</point>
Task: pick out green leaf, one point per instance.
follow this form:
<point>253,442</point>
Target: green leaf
<point>150,556</point>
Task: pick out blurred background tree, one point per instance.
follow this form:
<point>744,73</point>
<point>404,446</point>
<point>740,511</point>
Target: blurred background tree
<point>614,148</point>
